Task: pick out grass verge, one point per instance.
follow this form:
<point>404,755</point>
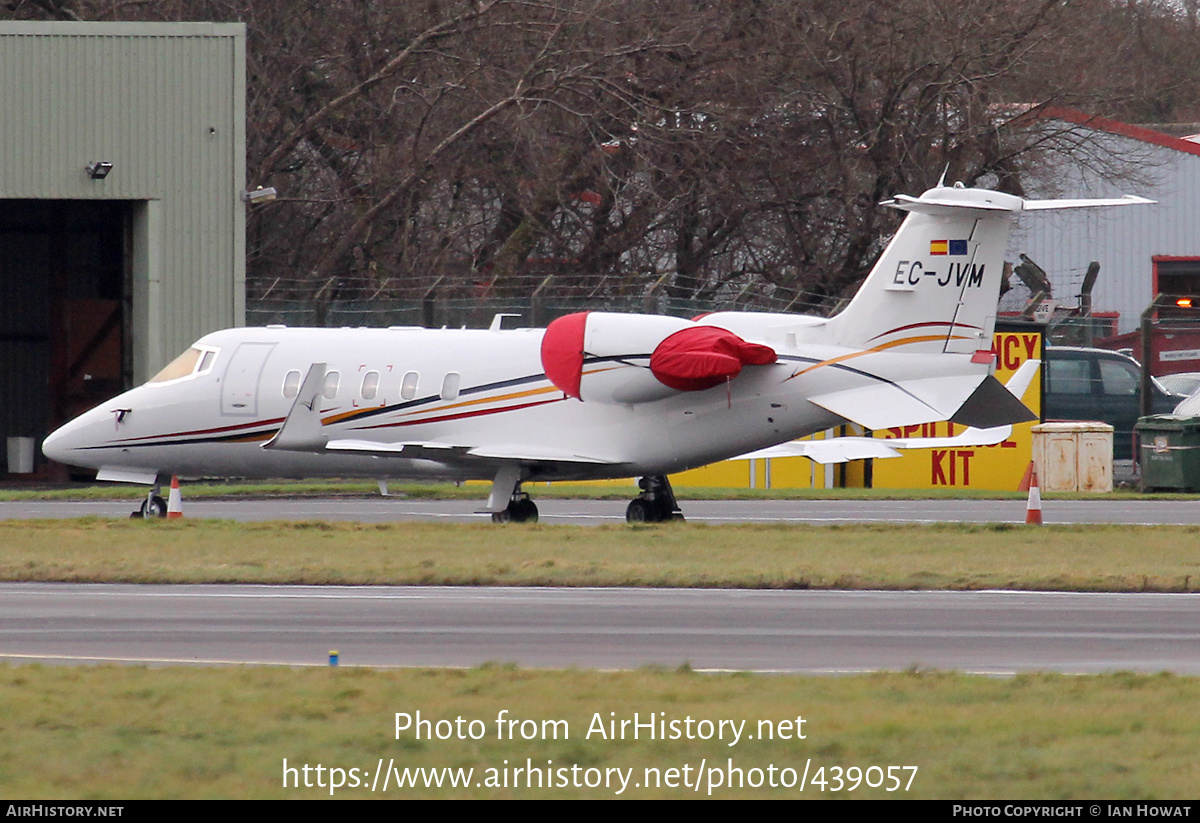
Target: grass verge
<point>128,732</point>
<point>879,556</point>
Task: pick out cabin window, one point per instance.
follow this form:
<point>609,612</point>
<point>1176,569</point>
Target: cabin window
<point>1069,377</point>
<point>330,390</point>
<point>1119,379</point>
<point>450,386</point>
<point>370,385</point>
<point>408,386</point>
<point>291,384</point>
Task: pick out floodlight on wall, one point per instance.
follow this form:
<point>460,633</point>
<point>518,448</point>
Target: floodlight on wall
<point>259,196</point>
<point>99,169</point>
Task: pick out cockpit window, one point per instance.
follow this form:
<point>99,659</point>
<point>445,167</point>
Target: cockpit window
<point>193,361</point>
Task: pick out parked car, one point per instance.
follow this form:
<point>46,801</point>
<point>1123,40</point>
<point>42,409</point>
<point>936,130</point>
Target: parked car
<point>1182,383</point>
<point>1097,384</point>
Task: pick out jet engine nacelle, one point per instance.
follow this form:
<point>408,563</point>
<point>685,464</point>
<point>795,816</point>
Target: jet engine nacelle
<point>638,358</point>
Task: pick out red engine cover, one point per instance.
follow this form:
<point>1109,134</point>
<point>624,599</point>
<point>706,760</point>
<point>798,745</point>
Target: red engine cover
<point>705,356</point>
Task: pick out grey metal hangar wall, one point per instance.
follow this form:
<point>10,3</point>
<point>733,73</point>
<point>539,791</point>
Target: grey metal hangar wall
<point>122,225</point>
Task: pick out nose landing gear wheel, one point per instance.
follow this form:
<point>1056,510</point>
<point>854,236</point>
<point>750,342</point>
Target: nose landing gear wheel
<point>152,506</point>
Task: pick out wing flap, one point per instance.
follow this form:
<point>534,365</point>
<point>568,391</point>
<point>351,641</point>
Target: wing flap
<point>415,449</point>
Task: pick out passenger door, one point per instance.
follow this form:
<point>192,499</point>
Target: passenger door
<point>239,391</point>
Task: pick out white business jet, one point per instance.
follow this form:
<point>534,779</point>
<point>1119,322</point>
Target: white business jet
<point>594,395</point>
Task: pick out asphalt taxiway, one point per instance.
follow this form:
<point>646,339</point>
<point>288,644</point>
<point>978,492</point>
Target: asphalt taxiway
<point>794,631</point>
<point>766,631</point>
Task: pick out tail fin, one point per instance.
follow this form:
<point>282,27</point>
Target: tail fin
<point>936,286</point>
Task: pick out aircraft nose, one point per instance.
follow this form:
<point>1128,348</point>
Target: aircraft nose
<point>52,446</point>
<point>68,443</point>
<point>57,446</point>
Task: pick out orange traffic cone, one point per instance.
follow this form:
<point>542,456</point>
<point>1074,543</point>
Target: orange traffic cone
<point>174,500</point>
<point>1033,509</point>
<point>1023,486</point>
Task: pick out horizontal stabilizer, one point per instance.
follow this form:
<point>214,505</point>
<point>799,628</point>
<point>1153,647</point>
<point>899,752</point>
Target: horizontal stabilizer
<point>935,205</point>
<point>1127,200</point>
<point>992,202</point>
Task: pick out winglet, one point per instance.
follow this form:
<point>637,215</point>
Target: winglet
<point>301,431</point>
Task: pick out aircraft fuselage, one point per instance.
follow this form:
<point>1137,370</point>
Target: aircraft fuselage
<point>461,390</point>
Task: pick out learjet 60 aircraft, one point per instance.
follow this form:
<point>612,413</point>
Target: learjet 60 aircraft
<point>593,395</point>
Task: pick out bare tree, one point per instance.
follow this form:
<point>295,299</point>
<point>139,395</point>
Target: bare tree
<point>675,150</point>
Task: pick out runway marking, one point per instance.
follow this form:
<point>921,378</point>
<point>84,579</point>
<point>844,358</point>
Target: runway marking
<point>823,672</point>
<point>1048,635</point>
<point>169,660</point>
<point>520,593</point>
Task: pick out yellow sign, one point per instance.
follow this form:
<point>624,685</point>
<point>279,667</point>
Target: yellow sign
<point>998,467</point>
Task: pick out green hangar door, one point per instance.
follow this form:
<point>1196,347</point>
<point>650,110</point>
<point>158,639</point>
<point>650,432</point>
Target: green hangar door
<point>64,316</point>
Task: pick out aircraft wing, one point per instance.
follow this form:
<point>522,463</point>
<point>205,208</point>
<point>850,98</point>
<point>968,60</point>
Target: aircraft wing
<point>301,431</point>
<point>537,454</point>
<point>843,449</point>
<point>833,450</point>
<point>444,451</point>
<point>886,405</point>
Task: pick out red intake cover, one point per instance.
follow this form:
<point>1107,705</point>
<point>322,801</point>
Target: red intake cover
<point>562,352</point>
<point>704,356</point>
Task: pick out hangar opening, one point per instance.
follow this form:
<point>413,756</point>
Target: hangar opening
<point>65,300</point>
<point>122,226</point>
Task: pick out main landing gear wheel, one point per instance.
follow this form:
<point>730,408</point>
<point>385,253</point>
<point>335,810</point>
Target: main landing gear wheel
<point>520,510</point>
<point>642,511</point>
<point>655,504</point>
